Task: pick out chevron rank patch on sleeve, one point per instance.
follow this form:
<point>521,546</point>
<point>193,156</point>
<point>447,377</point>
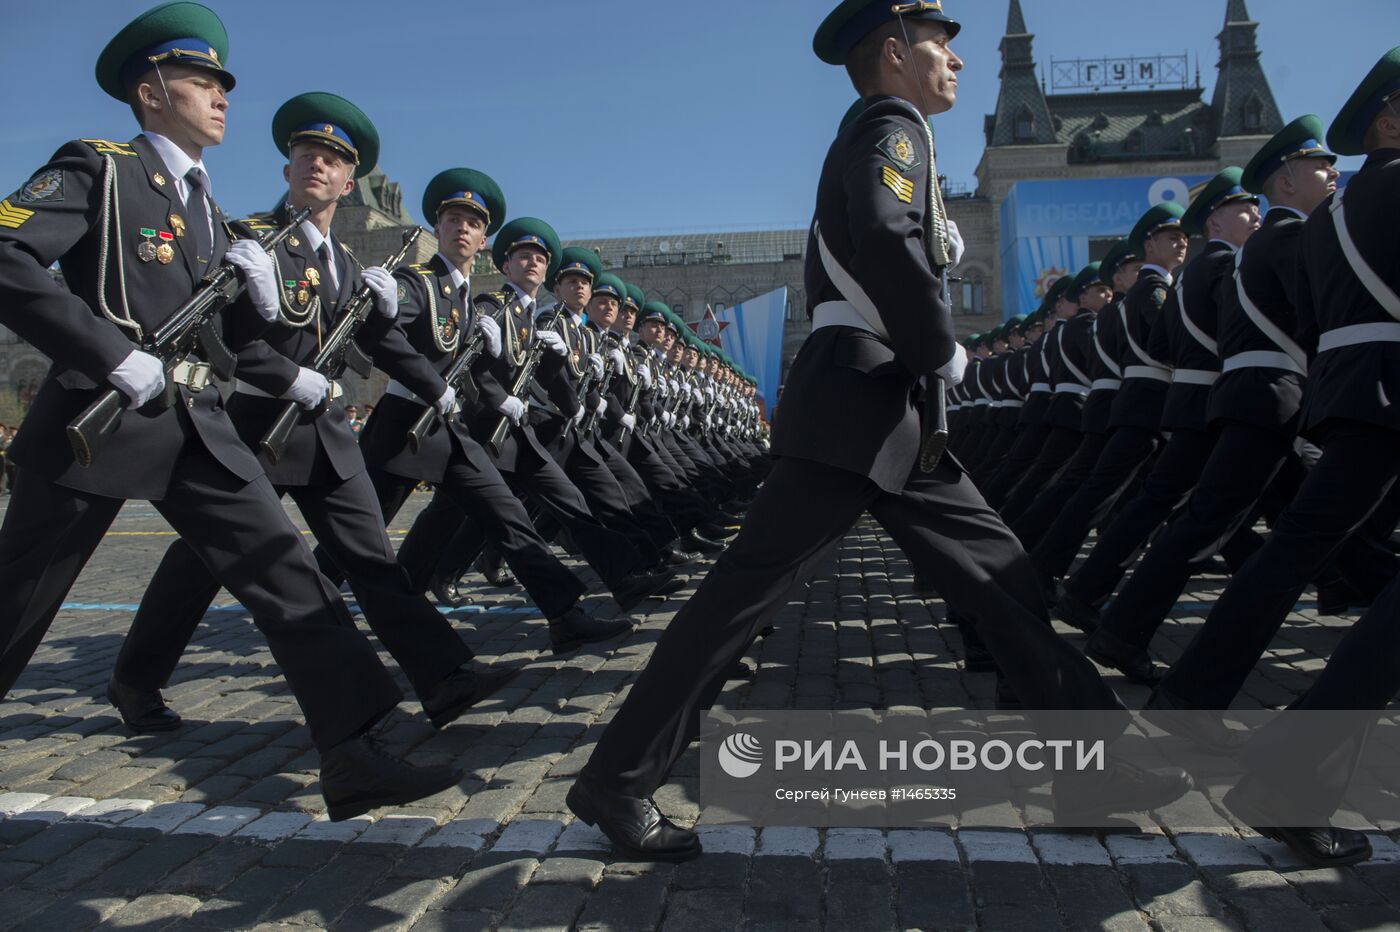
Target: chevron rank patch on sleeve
<point>11,216</point>
<point>902,187</point>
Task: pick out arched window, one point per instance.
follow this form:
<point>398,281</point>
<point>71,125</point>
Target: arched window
<point>971,293</point>
<point>1023,128</point>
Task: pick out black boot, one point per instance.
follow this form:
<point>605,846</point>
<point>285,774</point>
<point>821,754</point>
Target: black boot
<point>446,592</point>
<point>637,588</point>
<point>1132,661</point>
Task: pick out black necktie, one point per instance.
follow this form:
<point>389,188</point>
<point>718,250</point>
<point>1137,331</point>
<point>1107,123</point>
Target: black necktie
<point>198,217</point>
<point>328,264</point>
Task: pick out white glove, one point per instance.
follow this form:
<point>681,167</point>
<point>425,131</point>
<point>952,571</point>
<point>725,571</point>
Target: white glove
<point>685,422</point>
<point>709,422</point>
<point>600,407</point>
<point>710,392</point>
<point>644,376</point>
<point>448,399</point>
<point>629,421</point>
<point>256,266</point>
<point>618,360</point>
<point>514,409</point>
<point>596,362</point>
<point>140,377</point>
<point>309,389</point>
<point>490,333</point>
<point>668,418</point>
<point>675,387</point>
<point>554,341</point>
<point>698,395</point>
<point>955,245</point>
<point>386,290</point>
<point>578,416</point>
<point>952,370</point>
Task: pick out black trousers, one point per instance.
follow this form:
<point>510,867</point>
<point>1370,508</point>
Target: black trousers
<point>640,501</point>
<point>1360,674</point>
<point>1353,478</point>
<point>996,453</point>
<point>472,487</point>
<point>1029,440</point>
<point>1032,524</point>
<point>1171,479</point>
<point>1127,449</point>
<point>686,507</point>
<point>949,534</point>
<point>241,533</point>
<point>1055,454</point>
<point>345,518</point>
<point>1244,462</point>
<point>608,501</point>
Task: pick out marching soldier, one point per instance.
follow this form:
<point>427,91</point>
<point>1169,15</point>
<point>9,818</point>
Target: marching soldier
<point>134,229</point>
<point>849,441</point>
<point>328,142</point>
<point>1137,408</point>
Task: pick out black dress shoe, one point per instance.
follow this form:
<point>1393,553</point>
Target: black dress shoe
<point>460,690</point>
<point>923,587</point>
<point>766,630</point>
<point>1085,798</point>
<point>1340,598</point>
<point>1075,612</point>
<point>359,775</point>
<point>677,558</point>
<point>1049,589</point>
<point>446,592</point>
<point>143,711</point>
<point>1006,699</point>
<point>1132,661</point>
<point>576,627</point>
<point>635,826</point>
<point>1323,846</point>
<point>1203,728</point>
<point>703,544</point>
<point>490,566</point>
<point>977,659</point>
<point>637,588</point>
<point>716,531</point>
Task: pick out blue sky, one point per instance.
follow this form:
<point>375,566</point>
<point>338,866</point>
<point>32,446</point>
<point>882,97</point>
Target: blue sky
<point>619,115</point>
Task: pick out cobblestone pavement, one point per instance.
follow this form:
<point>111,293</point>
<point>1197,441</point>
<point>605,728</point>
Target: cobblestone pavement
<point>219,824</point>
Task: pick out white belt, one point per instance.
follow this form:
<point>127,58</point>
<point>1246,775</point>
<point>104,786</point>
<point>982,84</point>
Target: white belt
<point>400,390</point>
<point>952,408</point>
<point>1040,386</point>
<point>1359,333</point>
<point>982,401</point>
<point>1007,404</point>
<point>1147,372</point>
<point>1108,385</point>
<point>1262,359</point>
<point>1194,376</point>
<point>1073,388</point>
<point>840,314</point>
<point>243,388</point>
<point>193,375</point>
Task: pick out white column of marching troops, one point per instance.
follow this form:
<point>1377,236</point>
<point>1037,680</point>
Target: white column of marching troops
<point>1143,399</point>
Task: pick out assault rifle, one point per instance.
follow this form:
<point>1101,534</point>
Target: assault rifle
<point>192,324</point>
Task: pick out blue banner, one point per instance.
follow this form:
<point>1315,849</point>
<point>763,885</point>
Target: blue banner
<point>754,338</point>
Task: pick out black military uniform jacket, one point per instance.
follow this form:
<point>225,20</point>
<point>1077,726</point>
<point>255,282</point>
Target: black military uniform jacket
<point>1037,400</point>
<point>433,325</point>
<point>270,362</point>
<point>1139,401</point>
<point>1016,379</point>
<point>91,209</point>
<point>621,390</point>
<point>1103,368</point>
<point>1268,270</point>
<point>848,398</point>
<point>1357,383</point>
<point>1069,350</point>
<point>554,393</point>
<point>1174,342</point>
<point>496,376</point>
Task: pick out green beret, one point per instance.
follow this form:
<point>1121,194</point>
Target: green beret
<point>1300,139</point>
<point>1223,189</point>
<point>1118,253</point>
<point>853,20</point>
<point>331,121</point>
<point>465,187</point>
<point>176,33</point>
<point>1163,216</point>
<point>636,297</point>
<point>1089,275</point>
<point>528,231</point>
<point>608,283</point>
<point>1348,131</point>
<point>578,259</point>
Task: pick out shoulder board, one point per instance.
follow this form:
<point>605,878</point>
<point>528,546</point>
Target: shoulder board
<point>494,298</point>
<point>257,222</point>
<point>108,147</point>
